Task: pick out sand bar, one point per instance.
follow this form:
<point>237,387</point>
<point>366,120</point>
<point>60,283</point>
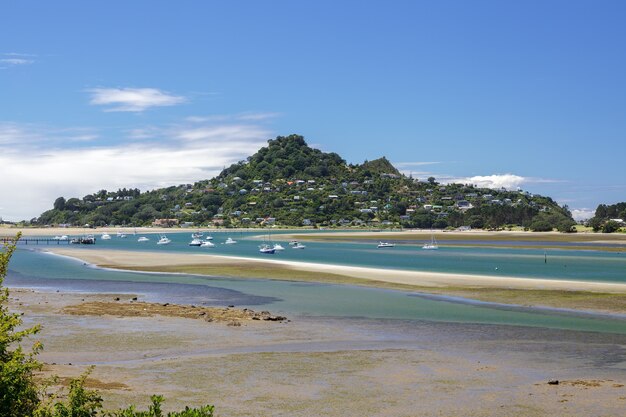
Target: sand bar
<point>153,260</point>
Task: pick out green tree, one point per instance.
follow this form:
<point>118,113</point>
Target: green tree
<point>610,227</point>
<point>21,395</point>
<point>18,390</point>
<point>59,203</point>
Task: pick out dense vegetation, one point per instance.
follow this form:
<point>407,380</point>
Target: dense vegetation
<point>288,183</point>
<point>23,394</point>
<point>609,218</point>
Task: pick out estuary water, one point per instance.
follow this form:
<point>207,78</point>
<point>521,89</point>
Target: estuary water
<point>32,268</point>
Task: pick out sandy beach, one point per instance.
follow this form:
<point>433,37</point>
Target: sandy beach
<point>600,296</point>
<point>334,368</point>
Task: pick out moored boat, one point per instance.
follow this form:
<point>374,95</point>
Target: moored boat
<point>164,240</point>
<point>267,249</point>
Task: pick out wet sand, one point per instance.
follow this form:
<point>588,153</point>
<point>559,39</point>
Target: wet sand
<point>599,296</point>
<point>332,367</point>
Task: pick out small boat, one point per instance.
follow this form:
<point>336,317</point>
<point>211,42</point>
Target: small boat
<point>230,241</point>
<point>432,245</point>
<point>85,240</point>
<point>197,235</point>
<point>267,249</point>
<point>195,242</point>
<point>121,235</point>
<point>207,244</point>
<point>386,245</point>
<point>278,247</point>
<point>208,238</point>
<point>143,239</point>
<point>298,245</point>
<point>293,243</point>
<point>164,240</point>
<point>105,236</point>
<point>64,237</point>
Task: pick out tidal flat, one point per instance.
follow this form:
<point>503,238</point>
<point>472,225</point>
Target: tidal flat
<point>330,366</point>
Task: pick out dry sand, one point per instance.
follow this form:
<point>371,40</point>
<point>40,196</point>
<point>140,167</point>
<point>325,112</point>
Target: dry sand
<point>339,368</point>
<point>153,260</point>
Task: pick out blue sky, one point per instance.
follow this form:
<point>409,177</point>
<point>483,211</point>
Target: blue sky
<point>117,94</point>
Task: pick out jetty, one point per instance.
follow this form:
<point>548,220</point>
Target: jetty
<point>85,240</point>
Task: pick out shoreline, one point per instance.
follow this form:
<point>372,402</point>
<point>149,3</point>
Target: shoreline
<point>600,297</point>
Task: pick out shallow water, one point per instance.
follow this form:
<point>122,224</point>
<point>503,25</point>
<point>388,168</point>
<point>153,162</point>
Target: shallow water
<point>582,265</point>
<point>35,269</point>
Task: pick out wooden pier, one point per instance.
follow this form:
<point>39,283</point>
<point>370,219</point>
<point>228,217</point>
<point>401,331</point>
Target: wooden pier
<point>48,241</point>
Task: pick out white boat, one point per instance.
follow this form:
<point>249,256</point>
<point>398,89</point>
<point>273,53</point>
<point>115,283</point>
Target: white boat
<point>208,238</point>
<point>120,234</point>
<point>267,249</point>
<point>197,235</point>
<point>207,244</point>
<point>64,237</point>
<point>298,245</point>
<point>143,239</point>
<point>432,245</point>
<point>105,236</point>
<point>230,241</point>
<point>195,242</point>
<point>386,245</point>
<point>278,247</point>
<point>293,243</point>
<point>164,240</point>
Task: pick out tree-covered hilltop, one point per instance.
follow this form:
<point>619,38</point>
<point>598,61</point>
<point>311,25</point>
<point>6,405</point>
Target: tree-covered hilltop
<point>291,184</point>
<point>609,218</point>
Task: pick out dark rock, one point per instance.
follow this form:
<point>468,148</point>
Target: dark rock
<point>134,298</point>
<point>117,298</point>
<point>553,382</point>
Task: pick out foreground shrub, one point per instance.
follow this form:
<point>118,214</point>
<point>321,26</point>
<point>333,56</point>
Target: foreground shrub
<point>21,395</point>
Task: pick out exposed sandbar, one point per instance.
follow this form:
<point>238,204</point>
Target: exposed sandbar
<point>600,296</point>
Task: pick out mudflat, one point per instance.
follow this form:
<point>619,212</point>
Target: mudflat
<point>331,367</point>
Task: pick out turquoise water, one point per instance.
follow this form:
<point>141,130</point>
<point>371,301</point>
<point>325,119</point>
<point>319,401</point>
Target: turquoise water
<point>583,265</point>
<point>293,298</point>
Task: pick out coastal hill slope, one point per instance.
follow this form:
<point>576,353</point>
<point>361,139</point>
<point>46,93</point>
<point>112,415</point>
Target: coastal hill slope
<point>289,183</point>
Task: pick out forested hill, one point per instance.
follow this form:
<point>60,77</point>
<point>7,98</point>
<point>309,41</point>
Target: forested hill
<point>291,184</point>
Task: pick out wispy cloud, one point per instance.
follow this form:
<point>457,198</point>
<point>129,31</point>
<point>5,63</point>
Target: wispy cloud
<point>132,99</point>
<point>245,117</point>
<point>407,165</point>
<point>37,172</point>
<point>22,136</point>
<point>16,61</point>
<point>13,59</point>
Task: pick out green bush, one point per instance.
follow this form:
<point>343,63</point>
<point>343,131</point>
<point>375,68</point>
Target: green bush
<point>21,395</point>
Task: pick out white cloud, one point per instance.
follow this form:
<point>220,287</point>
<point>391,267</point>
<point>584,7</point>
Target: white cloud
<point>508,181</point>
<point>582,214</point>
<point>16,61</point>
<point>132,99</point>
<point>35,174</point>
